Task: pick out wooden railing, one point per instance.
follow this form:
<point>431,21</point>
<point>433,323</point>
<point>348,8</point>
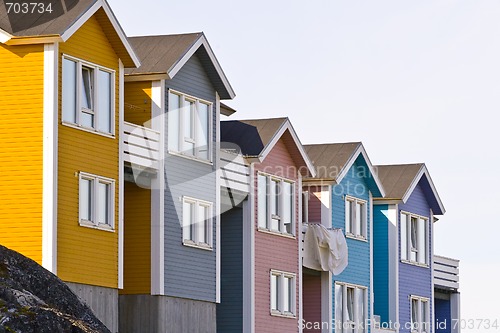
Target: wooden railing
<point>446,273</point>
<point>141,146</point>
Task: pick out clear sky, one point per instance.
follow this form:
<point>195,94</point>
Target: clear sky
<point>416,81</point>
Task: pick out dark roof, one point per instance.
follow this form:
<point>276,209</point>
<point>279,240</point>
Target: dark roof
<point>252,136</point>
<point>55,23</point>
<point>162,54</point>
<point>331,158</point>
<point>158,54</point>
<point>397,179</point>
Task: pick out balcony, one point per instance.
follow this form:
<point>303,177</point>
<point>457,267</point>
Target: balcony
<point>446,273</point>
<point>141,147</point>
<point>235,173</point>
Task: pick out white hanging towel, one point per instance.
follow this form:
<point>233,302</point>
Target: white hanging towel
<point>324,249</point>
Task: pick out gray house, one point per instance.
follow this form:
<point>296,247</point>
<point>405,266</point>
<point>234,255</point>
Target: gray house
<point>172,271</point>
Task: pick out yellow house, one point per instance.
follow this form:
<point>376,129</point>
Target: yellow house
<point>61,147</point>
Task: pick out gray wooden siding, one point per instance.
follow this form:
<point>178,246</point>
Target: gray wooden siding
<point>189,272</point>
<point>230,309</point>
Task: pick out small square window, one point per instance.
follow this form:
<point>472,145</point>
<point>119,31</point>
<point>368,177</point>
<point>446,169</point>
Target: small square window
<point>420,311</point>
<point>350,307</point>
<point>355,217</point>
<point>197,223</point>
<point>96,197</point>
<point>282,291</point>
<point>414,238</point>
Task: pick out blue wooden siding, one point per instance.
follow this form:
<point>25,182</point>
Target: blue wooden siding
<point>443,315</point>
<point>358,269</point>
<point>381,262</point>
<point>189,272</point>
<point>230,309</point>
<point>414,280</point>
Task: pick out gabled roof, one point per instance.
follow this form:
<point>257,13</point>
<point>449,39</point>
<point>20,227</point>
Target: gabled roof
<point>400,181</point>
<point>167,54</point>
<point>257,137</point>
<point>332,161</point>
<point>63,23</point>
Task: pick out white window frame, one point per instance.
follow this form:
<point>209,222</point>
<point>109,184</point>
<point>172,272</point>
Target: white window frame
<point>95,97</point>
<point>357,325</point>
<point>181,138</point>
<point>189,228</point>
<point>407,250</point>
<point>267,225</point>
<point>420,326</point>
<point>353,201</point>
<point>281,275</point>
<point>93,223</point>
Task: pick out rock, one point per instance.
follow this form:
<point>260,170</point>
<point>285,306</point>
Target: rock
<point>34,300</point>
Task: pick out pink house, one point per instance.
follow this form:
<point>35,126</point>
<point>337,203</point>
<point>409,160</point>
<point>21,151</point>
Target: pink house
<point>261,230</point>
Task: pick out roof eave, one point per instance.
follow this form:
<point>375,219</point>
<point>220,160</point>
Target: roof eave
<point>145,77</point>
<point>27,40</point>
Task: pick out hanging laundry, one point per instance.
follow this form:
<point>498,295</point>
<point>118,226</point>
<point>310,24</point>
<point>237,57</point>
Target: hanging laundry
<point>325,249</point>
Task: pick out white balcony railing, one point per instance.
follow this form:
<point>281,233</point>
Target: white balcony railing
<point>235,173</point>
<point>141,146</point>
<point>446,273</point>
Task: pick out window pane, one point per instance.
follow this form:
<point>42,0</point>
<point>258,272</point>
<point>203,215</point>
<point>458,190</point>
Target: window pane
<point>421,235</point>
<point>203,224</point>
<point>87,119</point>
<point>414,313</point>
<point>188,112</point>
<point>413,238</point>
<point>350,304</point>
<point>104,111</point>
<point>404,245</point>
<point>348,216</point>
<point>274,196</point>
<point>424,316</point>
<point>287,206</point>
<point>359,216</point>
<point>86,199</point>
<point>103,203</point>
<point>338,304</point>
<point>262,201</point>
<point>287,301</point>
<point>69,91</point>
<point>87,88</point>
<point>203,127</point>
<point>274,292</point>
<point>173,121</point>
<point>360,308</point>
<point>188,217</point>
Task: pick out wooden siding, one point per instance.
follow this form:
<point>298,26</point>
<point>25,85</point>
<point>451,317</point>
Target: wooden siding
<point>381,258</point>
<point>314,203</point>
<point>137,240</point>
<point>86,255</point>
<point>442,308</point>
<point>21,152</point>
<point>189,272</point>
<point>273,251</point>
<point>414,280</point>
<point>358,270</point>
<point>138,101</point>
<point>311,303</point>
<point>230,309</point>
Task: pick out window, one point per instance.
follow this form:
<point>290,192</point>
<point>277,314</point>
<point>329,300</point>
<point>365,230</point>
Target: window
<point>282,293</point>
<point>87,96</point>
<point>420,319</point>
<point>414,238</point>
<point>275,201</point>
<point>96,201</point>
<point>351,308</point>
<point>189,126</point>
<point>197,223</point>
<point>355,217</point>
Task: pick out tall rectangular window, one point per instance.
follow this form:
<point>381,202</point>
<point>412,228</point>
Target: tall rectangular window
<point>414,238</point>
<point>87,95</point>
<point>189,126</point>
<point>197,223</point>
<point>275,204</point>
<point>96,201</point>
<point>420,314</point>
<point>283,295</point>
<point>355,217</point>
<point>351,307</point>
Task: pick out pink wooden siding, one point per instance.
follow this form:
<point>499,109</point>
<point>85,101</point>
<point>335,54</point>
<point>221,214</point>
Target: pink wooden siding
<point>311,301</point>
<point>314,204</point>
<point>275,252</point>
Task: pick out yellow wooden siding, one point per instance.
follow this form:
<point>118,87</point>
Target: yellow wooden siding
<point>137,258</point>
<point>21,148</point>
<point>138,102</point>
<point>87,255</point>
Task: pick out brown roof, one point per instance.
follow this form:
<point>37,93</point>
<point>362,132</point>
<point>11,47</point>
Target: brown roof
<point>253,135</point>
<point>397,179</point>
<point>158,54</point>
<point>331,158</point>
<point>55,23</point>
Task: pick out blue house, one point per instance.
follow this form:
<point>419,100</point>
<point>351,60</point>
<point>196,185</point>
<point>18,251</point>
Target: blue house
<point>403,248</point>
<point>182,82</point>
<point>341,197</point>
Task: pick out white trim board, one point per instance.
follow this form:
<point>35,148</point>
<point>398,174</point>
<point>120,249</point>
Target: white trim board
<point>121,177</point>
<point>217,202</point>
<point>50,138</point>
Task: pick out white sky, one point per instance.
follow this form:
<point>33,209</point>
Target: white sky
<point>416,81</point>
